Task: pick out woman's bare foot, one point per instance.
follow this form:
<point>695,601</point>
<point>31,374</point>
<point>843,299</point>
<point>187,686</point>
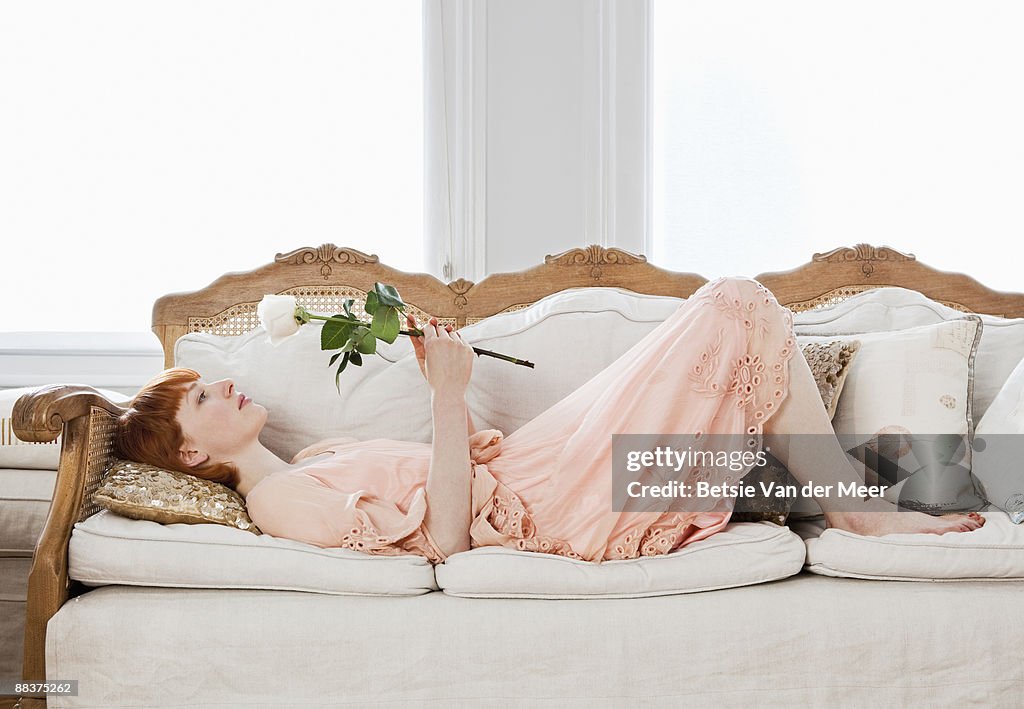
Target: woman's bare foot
<point>880,517</point>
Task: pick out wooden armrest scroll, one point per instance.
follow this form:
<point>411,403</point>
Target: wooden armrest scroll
<point>40,416</point>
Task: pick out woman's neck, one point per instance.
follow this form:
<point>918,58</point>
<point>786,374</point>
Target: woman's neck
<point>254,464</point>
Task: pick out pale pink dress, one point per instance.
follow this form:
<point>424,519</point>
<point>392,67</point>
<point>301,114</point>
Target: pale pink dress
<point>717,365</point>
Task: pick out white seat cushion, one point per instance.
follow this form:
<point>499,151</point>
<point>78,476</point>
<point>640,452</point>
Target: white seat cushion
<point>740,555</point>
<point>994,552</point>
<point>24,503</point>
<point>109,549</point>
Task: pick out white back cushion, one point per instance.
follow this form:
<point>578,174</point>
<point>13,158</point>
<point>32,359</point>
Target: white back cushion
<point>999,448</point>
<point>1006,414</point>
<point>386,397</point>
<point>570,336</point>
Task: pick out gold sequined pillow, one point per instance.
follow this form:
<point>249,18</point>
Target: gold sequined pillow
<point>830,363</point>
<point>143,491</point>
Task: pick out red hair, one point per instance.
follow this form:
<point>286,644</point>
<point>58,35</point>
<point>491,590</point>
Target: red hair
<point>148,432</point>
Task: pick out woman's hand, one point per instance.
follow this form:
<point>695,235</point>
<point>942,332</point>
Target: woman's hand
<point>417,342</point>
<point>447,361</point>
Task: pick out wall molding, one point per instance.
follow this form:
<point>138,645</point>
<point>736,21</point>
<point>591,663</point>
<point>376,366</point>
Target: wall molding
<point>617,123</point>
<point>455,124</point>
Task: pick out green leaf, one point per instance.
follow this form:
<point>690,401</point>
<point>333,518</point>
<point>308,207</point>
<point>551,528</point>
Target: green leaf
<point>370,306</point>
<point>387,295</point>
<point>334,358</point>
<point>386,324</point>
<point>357,359</point>
<point>337,376</point>
<point>368,343</point>
<point>334,333</point>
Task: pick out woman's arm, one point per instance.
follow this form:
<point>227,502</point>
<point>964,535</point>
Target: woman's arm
<point>447,365</point>
<point>449,480</point>
<point>417,344</point>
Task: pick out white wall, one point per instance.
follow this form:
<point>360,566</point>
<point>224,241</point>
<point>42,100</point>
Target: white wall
<point>547,137</point>
<point>561,172</point>
<point>537,117</point>
<point>561,130</point>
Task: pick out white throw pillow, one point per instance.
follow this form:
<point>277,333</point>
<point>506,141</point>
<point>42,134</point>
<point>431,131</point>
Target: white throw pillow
<point>109,549</point>
<point>892,308</point>
<point>994,552</point>
<point>916,381</point>
<point>16,453</point>
<point>739,555</point>
<point>999,448</point>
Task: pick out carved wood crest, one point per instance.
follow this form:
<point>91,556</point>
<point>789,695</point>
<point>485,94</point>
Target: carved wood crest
<point>594,256</point>
<point>460,287</point>
<point>326,254</point>
<point>866,254</point>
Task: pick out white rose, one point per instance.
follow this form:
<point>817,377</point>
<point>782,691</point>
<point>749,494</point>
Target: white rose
<point>277,316</point>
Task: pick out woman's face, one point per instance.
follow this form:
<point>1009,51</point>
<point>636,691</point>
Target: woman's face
<point>217,421</point>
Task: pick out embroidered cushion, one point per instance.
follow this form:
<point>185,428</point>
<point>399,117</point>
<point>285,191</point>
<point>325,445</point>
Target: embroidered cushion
<point>142,491</point>
<point>830,363</point>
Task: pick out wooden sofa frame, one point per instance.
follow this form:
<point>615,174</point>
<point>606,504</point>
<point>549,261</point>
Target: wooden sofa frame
<point>321,277</point>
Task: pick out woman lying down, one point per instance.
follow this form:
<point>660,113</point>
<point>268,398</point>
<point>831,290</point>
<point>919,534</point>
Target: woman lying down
<point>725,362</point>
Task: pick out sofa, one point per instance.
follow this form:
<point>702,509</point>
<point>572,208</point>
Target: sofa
<point>144,614</point>
<point>28,472</point>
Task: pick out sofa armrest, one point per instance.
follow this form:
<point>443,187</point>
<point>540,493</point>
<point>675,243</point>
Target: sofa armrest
<point>40,415</point>
<point>86,419</point>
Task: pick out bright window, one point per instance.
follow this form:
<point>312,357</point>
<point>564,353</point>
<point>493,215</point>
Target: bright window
<point>149,147</point>
<point>792,126</point>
